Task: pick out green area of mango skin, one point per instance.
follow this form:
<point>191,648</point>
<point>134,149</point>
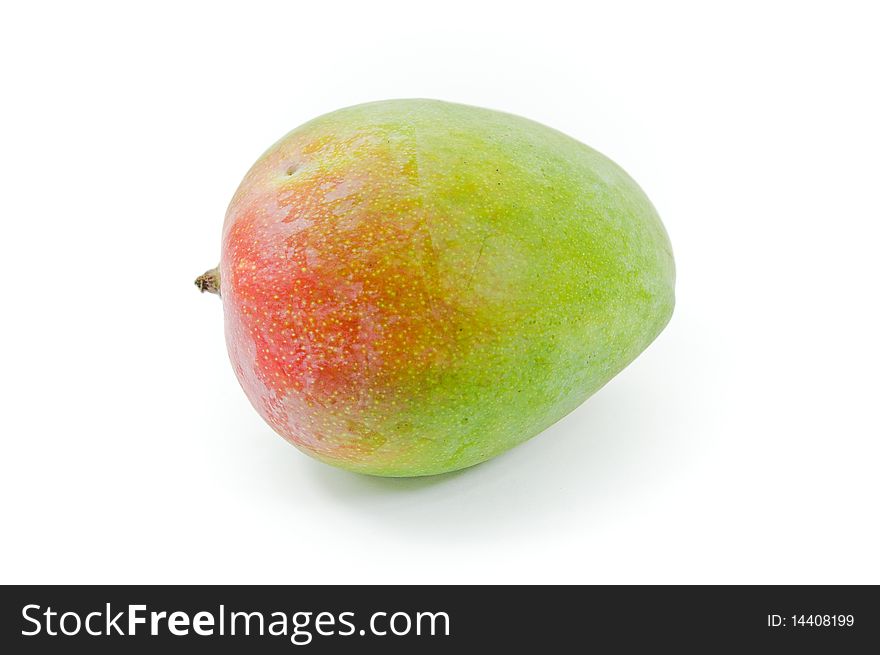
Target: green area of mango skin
<point>555,263</point>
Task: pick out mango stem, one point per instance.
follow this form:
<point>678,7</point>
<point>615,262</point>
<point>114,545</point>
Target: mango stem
<point>209,281</point>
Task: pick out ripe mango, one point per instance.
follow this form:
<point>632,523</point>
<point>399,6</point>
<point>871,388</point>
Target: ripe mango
<point>412,286</point>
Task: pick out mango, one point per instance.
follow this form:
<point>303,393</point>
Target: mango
<point>412,287</point>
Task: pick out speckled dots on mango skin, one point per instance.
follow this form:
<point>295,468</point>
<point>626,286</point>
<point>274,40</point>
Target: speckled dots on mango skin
<point>412,287</point>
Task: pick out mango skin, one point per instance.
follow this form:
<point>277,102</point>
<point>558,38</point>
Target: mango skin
<point>412,287</point>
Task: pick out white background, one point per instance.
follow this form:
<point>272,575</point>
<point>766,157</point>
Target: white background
<point>743,446</point>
